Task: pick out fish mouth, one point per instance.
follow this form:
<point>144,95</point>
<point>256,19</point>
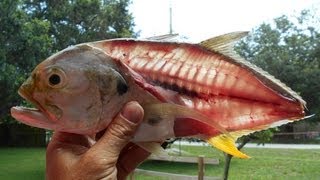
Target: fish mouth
<point>32,117</point>
<point>37,117</point>
<point>24,93</point>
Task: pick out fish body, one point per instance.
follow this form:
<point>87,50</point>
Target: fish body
<point>201,90</point>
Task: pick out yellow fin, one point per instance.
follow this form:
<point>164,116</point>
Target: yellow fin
<point>227,145</point>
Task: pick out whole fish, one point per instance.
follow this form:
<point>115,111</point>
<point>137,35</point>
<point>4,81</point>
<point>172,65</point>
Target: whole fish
<point>199,90</point>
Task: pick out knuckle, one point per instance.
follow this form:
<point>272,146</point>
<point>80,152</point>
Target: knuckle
<point>121,130</point>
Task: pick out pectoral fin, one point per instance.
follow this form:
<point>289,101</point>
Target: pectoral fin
<point>227,145</point>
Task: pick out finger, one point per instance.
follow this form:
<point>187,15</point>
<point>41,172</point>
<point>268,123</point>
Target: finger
<point>69,138</point>
<point>130,158</point>
<point>120,131</point>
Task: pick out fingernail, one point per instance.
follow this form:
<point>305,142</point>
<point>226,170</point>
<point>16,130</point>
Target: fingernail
<point>133,112</point>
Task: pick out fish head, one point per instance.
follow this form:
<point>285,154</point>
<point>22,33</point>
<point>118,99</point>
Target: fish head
<point>69,90</point>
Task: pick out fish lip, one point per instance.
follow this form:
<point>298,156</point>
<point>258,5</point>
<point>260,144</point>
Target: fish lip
<point>32,117</point>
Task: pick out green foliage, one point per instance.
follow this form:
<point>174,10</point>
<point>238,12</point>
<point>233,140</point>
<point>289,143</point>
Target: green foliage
<point>259,137</point>
<point>31,30</point>
<point>77,21</point>
<point>263,136</point>
<point>10,79</point>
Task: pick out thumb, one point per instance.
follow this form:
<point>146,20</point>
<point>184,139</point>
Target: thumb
<point>120,130</point>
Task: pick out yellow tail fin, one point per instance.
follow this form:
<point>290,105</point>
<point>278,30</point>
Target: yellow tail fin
<point>226,144</point>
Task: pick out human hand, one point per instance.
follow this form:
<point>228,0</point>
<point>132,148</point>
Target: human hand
<point>73,156</point>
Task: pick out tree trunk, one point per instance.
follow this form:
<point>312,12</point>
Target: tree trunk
<point>228,158</point>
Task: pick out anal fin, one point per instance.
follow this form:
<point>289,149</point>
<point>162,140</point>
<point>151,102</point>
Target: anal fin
<point>226,144</point>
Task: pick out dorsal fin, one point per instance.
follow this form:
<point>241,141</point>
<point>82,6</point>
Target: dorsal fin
<point>223,43</point>
<point>165,37</point>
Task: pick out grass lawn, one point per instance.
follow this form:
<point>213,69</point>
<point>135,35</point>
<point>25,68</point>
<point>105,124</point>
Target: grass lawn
<point>264,164</point>
<point>29,163</point>
<point>22,163</point>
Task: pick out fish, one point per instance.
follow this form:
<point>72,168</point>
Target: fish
<point>203,90</point>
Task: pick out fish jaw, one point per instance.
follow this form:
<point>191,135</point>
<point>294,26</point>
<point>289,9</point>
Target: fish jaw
<point>37,117</point>
<point>26,91</point>
<point>32,117</point>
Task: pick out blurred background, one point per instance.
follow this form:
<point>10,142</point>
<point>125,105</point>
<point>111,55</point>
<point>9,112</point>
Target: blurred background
<point>284,40</point>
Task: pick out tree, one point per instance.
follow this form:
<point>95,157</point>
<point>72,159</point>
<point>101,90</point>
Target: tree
<point>32,30</point>
<point>23,42</point>
<point>78,21</point>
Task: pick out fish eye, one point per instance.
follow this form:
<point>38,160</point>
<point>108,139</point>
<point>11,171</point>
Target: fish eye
<point>56,78</point>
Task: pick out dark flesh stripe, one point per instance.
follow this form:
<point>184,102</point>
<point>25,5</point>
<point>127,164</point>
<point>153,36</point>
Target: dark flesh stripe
<point>176,88</point>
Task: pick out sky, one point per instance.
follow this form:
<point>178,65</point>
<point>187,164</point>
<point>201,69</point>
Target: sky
<point>201,19</point>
